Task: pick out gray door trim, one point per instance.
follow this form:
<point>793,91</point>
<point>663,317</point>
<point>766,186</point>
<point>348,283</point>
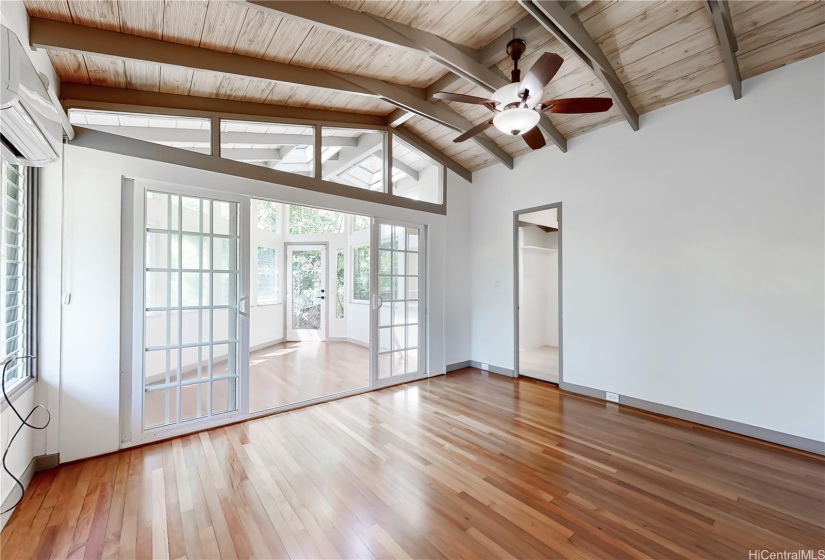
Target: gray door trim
<point>516,214</point>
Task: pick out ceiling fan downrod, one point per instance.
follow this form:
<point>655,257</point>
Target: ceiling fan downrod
<point>516,48</point>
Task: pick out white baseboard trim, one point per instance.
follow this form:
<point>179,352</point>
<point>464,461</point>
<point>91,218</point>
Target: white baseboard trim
<point>350,340</point>
<point>266,344</point>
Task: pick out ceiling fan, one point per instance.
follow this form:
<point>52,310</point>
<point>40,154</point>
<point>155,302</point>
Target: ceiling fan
<point>518,106</point>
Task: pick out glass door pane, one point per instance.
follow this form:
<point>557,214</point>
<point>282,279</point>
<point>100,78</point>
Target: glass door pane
<point>398,301</point>
<point>192,284</point>
<point>306,292</point>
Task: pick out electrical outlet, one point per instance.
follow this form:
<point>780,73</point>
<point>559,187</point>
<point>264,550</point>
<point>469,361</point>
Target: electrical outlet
<point>612,397</point>
<point>485,367</point>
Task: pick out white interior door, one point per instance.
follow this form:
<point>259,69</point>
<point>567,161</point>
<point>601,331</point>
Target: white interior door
<point>306,295</point>
<point>398,302</point>
<point>194,280</point>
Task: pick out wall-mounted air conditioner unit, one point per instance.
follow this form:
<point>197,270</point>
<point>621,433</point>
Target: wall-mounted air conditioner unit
<point>30,127</point>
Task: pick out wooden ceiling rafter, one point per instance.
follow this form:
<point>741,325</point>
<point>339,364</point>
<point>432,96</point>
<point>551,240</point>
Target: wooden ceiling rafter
<point>569,30</point>
<point>723,25</point>
<point>461,62</point>
<point>457,59</point>
<point>663,52</point>
<point>55,35</point>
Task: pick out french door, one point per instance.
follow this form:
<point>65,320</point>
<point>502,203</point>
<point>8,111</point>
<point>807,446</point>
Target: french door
<point>194,346</point>
<point>190,321</point>
<point>306,274</point>
<point>397,286</point>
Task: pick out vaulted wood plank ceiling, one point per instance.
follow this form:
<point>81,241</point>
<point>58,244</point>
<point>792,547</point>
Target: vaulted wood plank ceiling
<point>663,52</point>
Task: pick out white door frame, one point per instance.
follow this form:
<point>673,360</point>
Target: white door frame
<point>376,303</point>
<point>138,434</point>
<point>289,333</point>
<point>132,433</point>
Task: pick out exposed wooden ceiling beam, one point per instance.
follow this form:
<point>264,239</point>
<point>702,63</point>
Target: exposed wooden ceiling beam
<point>574,6</point>
<point>461,61</point>
<point>722,24</point>
<point>365,146</point>
<point>82,96</point>
<point>136,101</point>
<point>373,28</point>
<point>570,31</point>
<point>55,35</point>
<point>241,154</point>
<point>398,117</point>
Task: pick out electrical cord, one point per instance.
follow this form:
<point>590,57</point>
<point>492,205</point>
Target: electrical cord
<point>23,422</point>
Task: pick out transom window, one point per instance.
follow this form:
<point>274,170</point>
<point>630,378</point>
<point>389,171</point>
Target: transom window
<point>351,156</point>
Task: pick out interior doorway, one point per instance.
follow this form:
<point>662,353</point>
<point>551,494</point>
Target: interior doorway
<point>537,250</point>
<point>310,312</point>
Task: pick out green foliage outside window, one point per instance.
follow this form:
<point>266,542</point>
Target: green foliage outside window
<point>339,288</point>
<point>304,221</point>
<point>361,273</point>
<point>360,223</point>
<point>268,216</point>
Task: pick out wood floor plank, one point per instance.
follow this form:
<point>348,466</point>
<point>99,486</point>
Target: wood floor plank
<point>468,465</point>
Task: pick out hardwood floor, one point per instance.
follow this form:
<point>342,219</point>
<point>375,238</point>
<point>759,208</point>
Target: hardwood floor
<point>294,372</point>
<point>282,374</point>
<point>540,363</point>
<point>462,466</point>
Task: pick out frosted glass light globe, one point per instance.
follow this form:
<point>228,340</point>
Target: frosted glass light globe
<point>516,121</point>
<point>509,94</point>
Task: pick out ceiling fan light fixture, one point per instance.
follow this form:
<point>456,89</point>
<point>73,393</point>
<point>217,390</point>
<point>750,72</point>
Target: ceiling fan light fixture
<point>516,121</point>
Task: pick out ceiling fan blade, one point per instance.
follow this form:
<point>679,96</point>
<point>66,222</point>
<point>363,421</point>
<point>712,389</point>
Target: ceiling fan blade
<point>534,138</point>
<point>541,73</point>
<point>578,105</point>
<point>473,131</point>
<point>461,98</point>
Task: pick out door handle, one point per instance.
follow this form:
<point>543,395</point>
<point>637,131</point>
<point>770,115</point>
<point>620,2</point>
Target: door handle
<point>243,310</point>
<point>377,301</point>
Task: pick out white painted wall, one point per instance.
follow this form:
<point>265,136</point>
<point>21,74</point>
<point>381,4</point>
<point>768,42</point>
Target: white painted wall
<point>693,254</point>
<point>458,276</point>
<point>266,324</point>
<point>90,398</point>
<point>90,332</point>
<point>551,309</point>
<point>538,288</point>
